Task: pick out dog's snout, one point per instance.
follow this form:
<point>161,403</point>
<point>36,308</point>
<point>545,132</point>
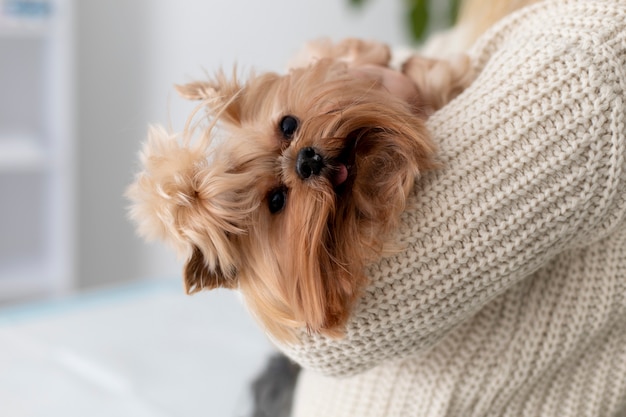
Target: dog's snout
<point>309,162</point>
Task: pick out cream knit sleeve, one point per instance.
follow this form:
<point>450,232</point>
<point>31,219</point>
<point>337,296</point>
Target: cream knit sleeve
<point>533,164</point>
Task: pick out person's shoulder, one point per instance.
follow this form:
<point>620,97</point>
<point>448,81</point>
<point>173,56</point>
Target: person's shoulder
<point>569,17</point>
<point>556,26</point>
<point>599,18</point>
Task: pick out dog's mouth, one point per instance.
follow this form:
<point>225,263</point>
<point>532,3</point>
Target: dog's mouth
<point>344,166</point>
<point>340,175</point>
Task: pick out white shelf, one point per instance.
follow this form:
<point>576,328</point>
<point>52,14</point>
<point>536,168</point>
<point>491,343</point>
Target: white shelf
<point>36,150</point>
<point>21,154</point>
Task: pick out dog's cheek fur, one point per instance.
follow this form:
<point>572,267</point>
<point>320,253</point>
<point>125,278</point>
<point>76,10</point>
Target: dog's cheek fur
<point>290,278</point>
<point>322,287</point>
<point>385,179</point>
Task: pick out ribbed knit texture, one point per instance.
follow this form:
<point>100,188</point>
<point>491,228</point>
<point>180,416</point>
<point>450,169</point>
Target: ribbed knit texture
<point>510,299</point>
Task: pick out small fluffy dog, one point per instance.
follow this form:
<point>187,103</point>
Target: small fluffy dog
<point>305,186</point>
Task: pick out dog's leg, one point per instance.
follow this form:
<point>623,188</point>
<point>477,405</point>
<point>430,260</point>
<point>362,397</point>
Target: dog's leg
<point>439,80</point>
<point>352,51</point>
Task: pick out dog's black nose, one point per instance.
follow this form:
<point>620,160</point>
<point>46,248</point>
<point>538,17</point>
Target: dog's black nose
<point>308,163</point>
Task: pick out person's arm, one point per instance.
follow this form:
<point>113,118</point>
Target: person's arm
<point>533,160</point>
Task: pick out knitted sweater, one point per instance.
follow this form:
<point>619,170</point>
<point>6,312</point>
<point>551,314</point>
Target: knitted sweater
<point>510,298</point>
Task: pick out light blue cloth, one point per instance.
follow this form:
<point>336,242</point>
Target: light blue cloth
<point>142,350</point>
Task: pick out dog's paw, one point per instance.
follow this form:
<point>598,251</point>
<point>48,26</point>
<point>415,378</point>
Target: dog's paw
<point>352,51</point>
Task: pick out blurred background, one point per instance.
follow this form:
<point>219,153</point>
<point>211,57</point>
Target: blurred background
<point>80,81</point>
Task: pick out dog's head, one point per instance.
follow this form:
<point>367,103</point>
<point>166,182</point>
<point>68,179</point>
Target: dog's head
<point>302,190</point>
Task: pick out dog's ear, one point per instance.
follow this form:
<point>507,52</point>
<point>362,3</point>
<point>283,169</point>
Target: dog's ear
<point>197,90</point>
<point>222,96</point>
<point>197,276</point>
<point>439,80</point>
<point>230,100</point>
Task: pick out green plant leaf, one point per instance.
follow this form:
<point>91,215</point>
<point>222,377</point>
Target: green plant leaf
<point>418,18</point>
<point>357,3</point>
<point>454,11</point>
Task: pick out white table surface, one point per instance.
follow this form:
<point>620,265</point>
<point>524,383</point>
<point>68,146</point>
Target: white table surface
<point>142,350</point>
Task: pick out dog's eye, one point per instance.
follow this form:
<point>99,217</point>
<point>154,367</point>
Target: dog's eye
<point>276,200</point>
<point>288,126</point>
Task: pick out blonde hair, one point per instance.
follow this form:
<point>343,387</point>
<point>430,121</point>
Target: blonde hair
<point>478,15</point>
